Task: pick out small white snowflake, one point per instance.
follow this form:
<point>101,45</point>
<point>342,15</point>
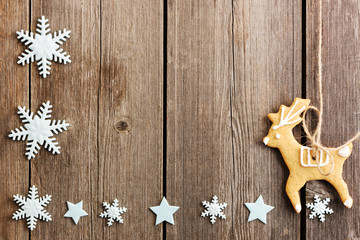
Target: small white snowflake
<point>213,209</point>
<point>319,208</point>
<point>32,207</point>
<point>44,47</point>
<point>113,212</point>
<point>38,130</point>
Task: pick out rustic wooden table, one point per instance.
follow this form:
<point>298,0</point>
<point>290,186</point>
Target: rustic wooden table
<point>170,97</point>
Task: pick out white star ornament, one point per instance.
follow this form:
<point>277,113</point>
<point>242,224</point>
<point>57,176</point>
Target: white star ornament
<point>164,212</point>
<point>258,210</point>
<point>75,211</point>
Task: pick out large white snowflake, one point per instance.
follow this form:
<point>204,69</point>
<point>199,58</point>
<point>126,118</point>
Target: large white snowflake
<point>38,130</point>
<point>32,208</point>
<point>113,212</point>
<point>213,209</point>
<point>44,47</point>
<point>319,208</point>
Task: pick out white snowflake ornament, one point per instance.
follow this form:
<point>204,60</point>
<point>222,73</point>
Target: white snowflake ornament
<point>44,47</point>
<point>32,208</point>
<point>113,212</point>
<point>213,209</point>
<point>319,208</point>
<point>38,130</point>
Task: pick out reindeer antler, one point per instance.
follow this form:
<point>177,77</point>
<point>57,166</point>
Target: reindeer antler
<point>292,113</point>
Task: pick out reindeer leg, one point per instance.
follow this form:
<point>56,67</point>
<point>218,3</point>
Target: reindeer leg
<point>293,186</point>
<point>341,187</point>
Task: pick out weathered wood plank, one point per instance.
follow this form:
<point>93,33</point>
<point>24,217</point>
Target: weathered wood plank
<point>267,61</point>
<point>14,92</point>
<point>73,91</point>
<point>130,117</point>
<point>341,107</point>
<point>199,148</point>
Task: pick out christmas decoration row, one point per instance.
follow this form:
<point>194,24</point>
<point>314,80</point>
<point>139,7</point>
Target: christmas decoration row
<point>32,208</point>
<point>39,129</point>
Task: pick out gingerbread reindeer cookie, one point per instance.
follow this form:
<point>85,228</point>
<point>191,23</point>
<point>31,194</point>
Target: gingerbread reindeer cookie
<point>300,159</point>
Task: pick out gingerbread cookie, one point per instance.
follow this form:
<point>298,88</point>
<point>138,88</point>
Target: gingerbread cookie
<point>299,159</point>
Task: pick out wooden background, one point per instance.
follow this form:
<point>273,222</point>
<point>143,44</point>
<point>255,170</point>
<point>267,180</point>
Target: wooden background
<point>170,97</point>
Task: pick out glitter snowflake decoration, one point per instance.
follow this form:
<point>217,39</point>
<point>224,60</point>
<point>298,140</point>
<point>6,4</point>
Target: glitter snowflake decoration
<point>319,208</point>
<point>44,47</point>
<point>213,209</point>
<point>32,208</point>
<point>113,212</point>
<point>38,130</point>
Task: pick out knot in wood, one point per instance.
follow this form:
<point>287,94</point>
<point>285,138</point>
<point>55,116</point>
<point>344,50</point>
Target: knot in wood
<point>122,126</point>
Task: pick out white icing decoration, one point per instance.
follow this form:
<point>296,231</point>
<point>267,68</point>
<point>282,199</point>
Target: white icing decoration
<point>288,117</point>
<point>266,140</point>
<point>344,152</point>
<point>309,164</point>
<point>348,203</point>
<point>277,136</point>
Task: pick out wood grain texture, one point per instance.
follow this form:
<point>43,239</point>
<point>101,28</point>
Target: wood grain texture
<point>267,61</point>
<point>130,117</point>
<point>199,152</point>
<point>73,91</point>
<point>341,107</point>
<point>228,64</point>
<point>217,107</point>
<point>14,92</point>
